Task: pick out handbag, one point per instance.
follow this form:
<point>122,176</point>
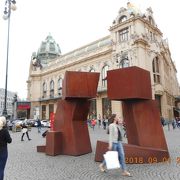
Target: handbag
<point>24,130</point>
<point>112,160</point>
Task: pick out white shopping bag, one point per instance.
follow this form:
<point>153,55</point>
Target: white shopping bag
<point>112,161</point>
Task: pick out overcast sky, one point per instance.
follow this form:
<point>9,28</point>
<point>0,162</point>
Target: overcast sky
<point>72,23</point>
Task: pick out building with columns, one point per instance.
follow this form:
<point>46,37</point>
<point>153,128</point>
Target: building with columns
<point>134,40</point>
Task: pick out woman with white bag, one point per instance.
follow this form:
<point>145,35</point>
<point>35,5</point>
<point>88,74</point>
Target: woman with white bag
<point>115,144</point>
<point>24,130</point>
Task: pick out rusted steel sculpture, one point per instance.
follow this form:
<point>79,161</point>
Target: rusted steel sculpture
<point>146,140</point>
<point>70,135</point>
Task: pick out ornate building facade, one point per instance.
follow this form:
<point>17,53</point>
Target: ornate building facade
<point>10,100</point>
<point>134,40</point>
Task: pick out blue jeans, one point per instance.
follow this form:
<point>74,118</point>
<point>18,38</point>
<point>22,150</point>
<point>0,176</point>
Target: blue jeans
<point>119,148</point>
<point>3,159</point>
<point>39,129</point>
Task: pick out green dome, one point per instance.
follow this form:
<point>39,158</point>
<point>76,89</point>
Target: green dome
<point>48,50</point>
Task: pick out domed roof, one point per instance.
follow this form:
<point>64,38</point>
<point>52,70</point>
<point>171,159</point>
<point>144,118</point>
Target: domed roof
<point>48,50</point>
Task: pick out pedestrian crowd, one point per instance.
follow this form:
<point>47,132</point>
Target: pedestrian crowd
<point>174,122</point>
<point>104,123</point>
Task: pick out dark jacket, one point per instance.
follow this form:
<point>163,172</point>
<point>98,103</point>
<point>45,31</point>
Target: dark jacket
<point>4,138</point>
<point>23,126</point>
<point>38,123</point>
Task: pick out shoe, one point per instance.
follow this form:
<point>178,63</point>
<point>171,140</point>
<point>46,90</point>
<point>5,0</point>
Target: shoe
<point>101,167</point>
<point>22,140</point>
<point>29,139</point>
<point>126,173</point>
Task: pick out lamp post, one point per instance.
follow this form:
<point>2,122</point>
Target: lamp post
<point>9,5</point>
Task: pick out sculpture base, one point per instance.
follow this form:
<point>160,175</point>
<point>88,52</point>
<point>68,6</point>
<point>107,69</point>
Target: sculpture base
<point>54,143</point>
<point>134,154</point>
<point>41,148</point>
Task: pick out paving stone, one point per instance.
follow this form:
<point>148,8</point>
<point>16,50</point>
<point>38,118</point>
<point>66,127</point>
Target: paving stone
<point>25,163</point>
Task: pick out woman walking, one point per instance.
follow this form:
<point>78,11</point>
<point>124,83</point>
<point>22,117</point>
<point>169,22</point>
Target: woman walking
<point>115,144</point>
<point>4,139</point>
<point>24,131</point>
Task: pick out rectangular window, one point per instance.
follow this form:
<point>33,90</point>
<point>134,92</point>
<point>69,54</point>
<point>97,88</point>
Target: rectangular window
<point>43,111</point>
<point>52,47</point>
<point>158,99</point>
<point>104,76</point>
<point>43,47</point>
<point>123,35</point>
<point>156,72</point>
<point>92,109</point>
<point>51,109</point>
<point>107,109</point>
<point>157,78</point>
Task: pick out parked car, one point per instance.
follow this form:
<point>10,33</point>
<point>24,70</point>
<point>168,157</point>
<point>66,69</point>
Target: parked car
<point>9,125</point>
<point>45,123</point>
<point>17,122</point>
<point>16,125</point>
<point>31,122</point>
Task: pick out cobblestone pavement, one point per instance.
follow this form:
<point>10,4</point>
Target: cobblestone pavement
<point>24,163</point>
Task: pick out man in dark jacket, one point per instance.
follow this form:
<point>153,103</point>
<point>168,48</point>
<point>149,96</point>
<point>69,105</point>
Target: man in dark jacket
<point>39,125</point>
<point>4,139</point>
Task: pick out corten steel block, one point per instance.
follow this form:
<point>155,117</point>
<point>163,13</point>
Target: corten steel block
<point>129,83</point>
<point>145,135</point>
<point>134,154</point>
<point>41,148</point>
<point>140,155</point>
<point>71,120</point>
<point>101,148</point>
<point>143,124</point>
<point>53,143</point>
<point>80,85</point>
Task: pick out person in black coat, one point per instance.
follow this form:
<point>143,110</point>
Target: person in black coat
<point>39,125</point>
<point>4,139</point>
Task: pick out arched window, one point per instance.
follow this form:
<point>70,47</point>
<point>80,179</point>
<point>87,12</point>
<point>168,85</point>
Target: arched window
<point>122,19</point>
<point>51,47</point>
<point>156,72</point>
<point>124,61</point>
<point>104,75</point>
<point>43,47</point>
<point>60,86</point>
<point>52,88</point>
<point>44,90</point>
<point>44,87</point>
<point>132,15</point>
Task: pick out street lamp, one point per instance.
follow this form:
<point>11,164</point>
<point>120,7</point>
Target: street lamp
<point>9,5</point>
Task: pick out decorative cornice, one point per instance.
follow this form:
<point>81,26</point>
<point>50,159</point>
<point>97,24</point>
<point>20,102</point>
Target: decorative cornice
<point>41,73</point>
<point>134,19</point>
<point>141,41</point>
